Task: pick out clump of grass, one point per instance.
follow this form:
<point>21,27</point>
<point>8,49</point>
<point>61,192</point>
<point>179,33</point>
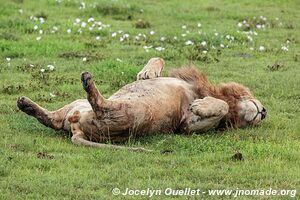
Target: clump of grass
<point>276,67</point>
<point>142,24</point>
<point>296,57</point>
<point>212,9</point>
<point>290,25</point>
<point>117,10</point>
<point>13,89</point>
<point>41,15</point>
<point>9,36</point>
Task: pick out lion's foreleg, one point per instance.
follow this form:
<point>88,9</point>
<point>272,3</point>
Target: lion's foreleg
<point>152,69</point>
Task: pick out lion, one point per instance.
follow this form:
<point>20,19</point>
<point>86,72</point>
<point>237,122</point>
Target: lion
<point>185,102</point>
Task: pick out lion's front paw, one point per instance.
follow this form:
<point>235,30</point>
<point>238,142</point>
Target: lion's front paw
<point>153,69</point>
<point>209,107</point>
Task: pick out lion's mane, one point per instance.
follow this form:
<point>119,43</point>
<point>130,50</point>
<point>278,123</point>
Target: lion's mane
<point>232,93</point>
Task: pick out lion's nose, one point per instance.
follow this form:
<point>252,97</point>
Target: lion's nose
<point>263,113</point>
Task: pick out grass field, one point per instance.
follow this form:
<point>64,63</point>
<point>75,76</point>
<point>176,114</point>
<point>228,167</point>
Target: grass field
<point>45,45</point>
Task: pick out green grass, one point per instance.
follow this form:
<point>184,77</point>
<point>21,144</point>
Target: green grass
<point>271,150</point>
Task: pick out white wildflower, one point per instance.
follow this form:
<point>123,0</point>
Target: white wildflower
<point>77,20</point>
<point>41,32</point>
<point>82,6</point>
<point>42,20</point>
<point>203,43</point>
<point>199,25</point>
<point>21,11</point>
<point>147,47</point>
<point>69,31</point>
<point>52,95</point>
<point>50,67</point>
<point>38,38</point>
<point>251,48</point>
<point>98,38</point>
<point>205,52</point>
<point>216,34</point>
<point>189,42</point>
<point>175,38</point>
<point>114,34</point>
<point>222,45</point>
<point>31,65</point>
<point>8,59</point>
<point>239,24</point>
<point>183,27</point>
<point>42,70</point>
<point>258,26</point>
<point>261,48</point>
<point>284,48</point>
<point>249,38</point>
<point>183,34</point>
<point>35,27</point>
<point>84,59</point>
<point>162,39</point>
<point>159,49</point>
<point>119,60</point>
<point>83,24</point>
<point>91,19</point>
<point>152,32</point>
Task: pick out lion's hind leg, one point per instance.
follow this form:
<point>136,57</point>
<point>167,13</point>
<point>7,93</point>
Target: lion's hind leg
<point>50,119</point>
<point>79,137</point>
<point>152,69</point>
<point>206,114</point>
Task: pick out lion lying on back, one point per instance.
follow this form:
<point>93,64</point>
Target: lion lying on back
<point>183,103</point>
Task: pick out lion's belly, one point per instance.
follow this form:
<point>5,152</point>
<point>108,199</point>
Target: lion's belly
<point>158,105</point>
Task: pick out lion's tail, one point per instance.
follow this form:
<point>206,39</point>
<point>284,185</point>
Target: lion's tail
<point>195,77</point>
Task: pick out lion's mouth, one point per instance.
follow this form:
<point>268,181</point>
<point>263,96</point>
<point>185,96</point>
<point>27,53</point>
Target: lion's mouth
<point>263,112</point>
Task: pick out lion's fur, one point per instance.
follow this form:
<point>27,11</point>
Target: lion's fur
<point>231,93</point>
<point>184,103</point>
